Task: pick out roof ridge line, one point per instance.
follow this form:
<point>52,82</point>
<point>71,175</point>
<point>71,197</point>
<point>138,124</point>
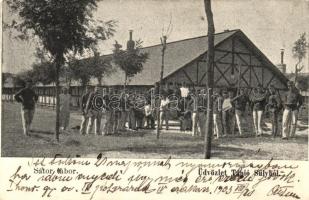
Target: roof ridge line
<point>234,30</point>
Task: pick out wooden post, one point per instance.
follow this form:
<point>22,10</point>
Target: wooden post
<point>163,42</point>
<point>239,78</point>
<point>44,98</point>
<point>210,78</point>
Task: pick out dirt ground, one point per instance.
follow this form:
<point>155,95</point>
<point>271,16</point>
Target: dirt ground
<point>140,144</point>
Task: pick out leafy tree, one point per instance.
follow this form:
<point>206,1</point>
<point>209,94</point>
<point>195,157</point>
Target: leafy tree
<point>79,71</point>
<point>130,61</point>
<point>5,76</point>
<point>22,77</point>
<point>44,73</point>
<point>303,82</point>
<point>101,66</point>
<point>61,26</point>
<point>299,51</point>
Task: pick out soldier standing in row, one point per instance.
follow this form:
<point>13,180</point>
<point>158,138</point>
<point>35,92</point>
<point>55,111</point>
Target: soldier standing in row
<point>258,98</point>
<point>195,120</point>
<point>202,111</point>
<point>150,122</point>
<point>85,117</point>
<point>65,100</point>
<point>132,117</point>
<point>107,128</point>
<point>139,110</point>
<point>123,112</point>
<point>292,102</point>
<point>273,106</point>
<point>164,113</point>
<point>240,103</point>
<point>94,110</point>
<point>217,114</point>
<point>228,114</point>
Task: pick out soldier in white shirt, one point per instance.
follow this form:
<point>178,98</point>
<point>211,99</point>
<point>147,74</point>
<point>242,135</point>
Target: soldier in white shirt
<point>164,111</point>
<point>149,116</point>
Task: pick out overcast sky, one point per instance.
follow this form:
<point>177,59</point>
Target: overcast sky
<point>270,24</point>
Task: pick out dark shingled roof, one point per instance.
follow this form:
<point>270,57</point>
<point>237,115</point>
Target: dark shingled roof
<point>177,55</point>
<point>180,53</point>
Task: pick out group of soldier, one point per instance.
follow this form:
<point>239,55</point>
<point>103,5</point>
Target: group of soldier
<point>116,110</point>
<point>121,111</point>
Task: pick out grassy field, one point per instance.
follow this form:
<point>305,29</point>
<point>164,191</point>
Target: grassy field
<point>141,144</point>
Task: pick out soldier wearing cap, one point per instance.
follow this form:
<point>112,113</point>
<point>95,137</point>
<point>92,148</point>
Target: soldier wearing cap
<point>258,99</point>
<point>27,97</point>
<point>65,100</point>
<point>107,114</point>
<point>240,103</point>
<point>164,112</point>
<point>194,104</point>
<point>94,108</point>
<point>85,117</point>
<point>123,112</point>
<point>228,118</point>
<point>292,102</point>
<point>217,113</point>
<point>273,106</point>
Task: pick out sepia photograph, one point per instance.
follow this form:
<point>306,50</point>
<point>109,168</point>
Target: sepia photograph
<point>152,79</point>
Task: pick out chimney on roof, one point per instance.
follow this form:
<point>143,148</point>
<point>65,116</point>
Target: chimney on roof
<point>282,56</point>
<point>282,66</point>
<point>130,43</point>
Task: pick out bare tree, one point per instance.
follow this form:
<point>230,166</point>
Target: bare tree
<point>163,43</point>
<point>210,79</point>
<point>165,35</point>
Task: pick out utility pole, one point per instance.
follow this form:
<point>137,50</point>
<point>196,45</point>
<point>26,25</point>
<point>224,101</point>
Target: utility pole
<point>210,79</point>
<point>163,43</point>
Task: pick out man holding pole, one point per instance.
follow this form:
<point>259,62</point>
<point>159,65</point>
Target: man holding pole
<point>27,97</point>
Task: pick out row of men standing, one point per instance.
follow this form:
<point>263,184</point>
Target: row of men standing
<point>191,110</point>
<point>227,107</point>
<point>116,109</point>
<point>257,102</point>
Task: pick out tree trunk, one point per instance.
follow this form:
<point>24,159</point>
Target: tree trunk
<point>297,70</point>
<point>100,81</point>
<point>58,65</point>
<point>296,74</point>
<point>163,41</point>
<point>210,80</point>
<point>159,103</point>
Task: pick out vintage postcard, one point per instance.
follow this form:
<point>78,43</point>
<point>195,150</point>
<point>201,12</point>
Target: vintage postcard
<point>154,99</point>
